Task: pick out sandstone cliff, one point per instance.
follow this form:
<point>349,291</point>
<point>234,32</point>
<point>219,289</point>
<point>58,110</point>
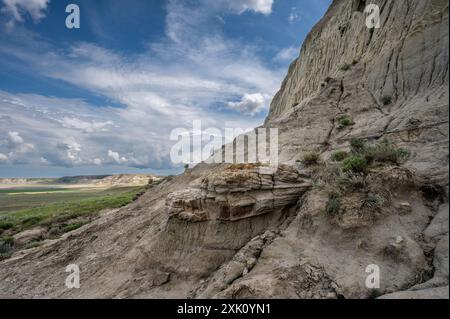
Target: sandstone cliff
<point>306,230</point>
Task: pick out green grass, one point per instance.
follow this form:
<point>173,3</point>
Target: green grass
<point>355,163</point>
<point>54,211</point>
<point>32,244</point>
<point>73,226</point>
<point>6,247</point>
<point>345,121</point>
<point>357,145</point>
<point>339,156</point>
<point>385,152</point>
<point>365,155</point>
<point>19,199</point>
<point>5,225</point>
<point>333,206</point>
<point>372,202</point>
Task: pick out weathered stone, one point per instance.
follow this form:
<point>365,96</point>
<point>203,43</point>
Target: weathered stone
<point>234,193</point>
<point>34,234</point>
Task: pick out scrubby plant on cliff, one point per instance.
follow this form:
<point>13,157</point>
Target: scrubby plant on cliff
<point>352,181</point>
<point>334,205</point>
<point>6,247</point>
<point>385,152</point>
<point>357,145</point>
<point>344,122</point>
<point>4,225</point>
<point>339,156</point>
<point>372,202</point>
<point>382,152</point>
<point>33,244</point>
<point>386,100</point>
<point>353,189</point>
<point>73,226</point>
<point>310,158</point>
<point>345,67</point>
<point>355,163</point>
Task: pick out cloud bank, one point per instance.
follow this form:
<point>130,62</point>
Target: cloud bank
<point>193,73</point>
<point>18,10</point>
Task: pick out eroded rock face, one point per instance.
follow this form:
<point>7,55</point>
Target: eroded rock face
<point>390,82</point>
<point>235,193</point>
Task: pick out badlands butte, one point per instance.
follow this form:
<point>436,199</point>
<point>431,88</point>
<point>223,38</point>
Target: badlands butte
<point>363,180</point>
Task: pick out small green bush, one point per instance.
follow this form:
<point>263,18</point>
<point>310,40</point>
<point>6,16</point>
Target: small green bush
<point>385,152</point>
<point>386,100</point>
<point>6,247</point>
<point>345,121</point>
<point>345,67</point>
<point>355,163</point>
<point>339,156</point>
<point>333,206</point>
<point>30,221</point>
<point>310,158</point>
<point>32,244</point>
<point>372,202</point>
<point>358,145</point>
<point>353,181</point>
<point>5,225</point>
<point>73,226</point>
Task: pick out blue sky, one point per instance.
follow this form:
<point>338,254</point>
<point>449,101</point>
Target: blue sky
<point>104,98</point>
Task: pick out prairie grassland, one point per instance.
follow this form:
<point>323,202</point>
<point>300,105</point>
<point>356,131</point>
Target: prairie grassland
<point>21,209</point>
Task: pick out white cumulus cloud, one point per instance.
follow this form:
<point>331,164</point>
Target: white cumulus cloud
<point>15,138</point>
<point>73,151</point>
<point>86,126</point>
<point>258,6</point>
<point>195,72</point>
<point>287,54</point>
<point>116,157</point>
<point>250,103</point>
<point>17,10</point>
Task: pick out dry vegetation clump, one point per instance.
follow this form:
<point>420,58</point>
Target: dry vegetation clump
<point>310,158</point>
<point>6,247</point>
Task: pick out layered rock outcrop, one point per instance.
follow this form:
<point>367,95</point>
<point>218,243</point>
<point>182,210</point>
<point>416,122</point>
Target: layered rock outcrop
<point>237,192</point>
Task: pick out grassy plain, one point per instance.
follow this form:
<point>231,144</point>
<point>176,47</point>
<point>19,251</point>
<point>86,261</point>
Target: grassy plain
<point>24,208</point>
